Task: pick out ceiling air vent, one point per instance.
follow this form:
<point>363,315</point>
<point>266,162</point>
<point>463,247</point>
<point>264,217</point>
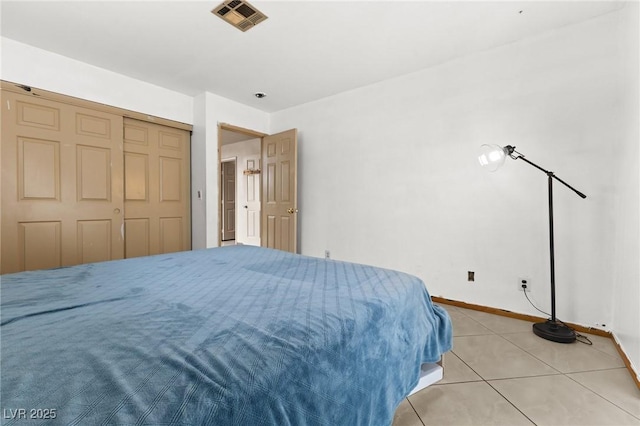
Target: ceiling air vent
<point>239,13</point>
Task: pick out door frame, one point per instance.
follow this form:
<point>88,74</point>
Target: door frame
<point>235,129</point>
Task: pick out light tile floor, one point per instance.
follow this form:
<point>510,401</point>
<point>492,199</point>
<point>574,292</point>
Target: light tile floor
<point>500,373</point>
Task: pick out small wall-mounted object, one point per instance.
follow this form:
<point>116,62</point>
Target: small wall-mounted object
<point>251,172</point>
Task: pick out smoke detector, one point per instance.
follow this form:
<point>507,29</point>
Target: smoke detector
<point>240,14</point>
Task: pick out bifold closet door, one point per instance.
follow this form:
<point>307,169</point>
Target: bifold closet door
<point>157,189</point>
<point>62,188</point>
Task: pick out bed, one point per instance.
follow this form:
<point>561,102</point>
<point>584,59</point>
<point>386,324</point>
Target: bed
<point>235,335</point>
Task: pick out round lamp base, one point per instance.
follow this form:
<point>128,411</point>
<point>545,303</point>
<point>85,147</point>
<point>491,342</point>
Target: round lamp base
<point>554,331</point>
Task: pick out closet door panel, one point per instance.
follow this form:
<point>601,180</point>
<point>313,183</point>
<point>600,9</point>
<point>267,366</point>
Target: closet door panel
<point>62,184</point>
<point>157,182</point>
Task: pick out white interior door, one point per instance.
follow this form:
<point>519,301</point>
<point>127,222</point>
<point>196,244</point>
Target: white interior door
<point>249,214</point>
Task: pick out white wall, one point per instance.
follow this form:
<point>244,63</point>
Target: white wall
<point>626,207</point>
<point>39,68</point>
<point>388,174</point>
<point>203,137</point>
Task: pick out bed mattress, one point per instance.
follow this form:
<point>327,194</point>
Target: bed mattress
<point>235,335</point>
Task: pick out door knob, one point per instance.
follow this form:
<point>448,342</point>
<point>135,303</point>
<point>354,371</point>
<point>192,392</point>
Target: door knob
<point>292,210</point>
<point>116,211</point>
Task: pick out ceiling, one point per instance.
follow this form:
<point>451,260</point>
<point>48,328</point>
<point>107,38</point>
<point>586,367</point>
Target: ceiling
<point>304,51</point>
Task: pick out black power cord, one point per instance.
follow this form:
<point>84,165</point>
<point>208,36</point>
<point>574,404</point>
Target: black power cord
<point>579,337</point>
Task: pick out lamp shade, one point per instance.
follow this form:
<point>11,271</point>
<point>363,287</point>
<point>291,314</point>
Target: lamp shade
<point>491,157</point>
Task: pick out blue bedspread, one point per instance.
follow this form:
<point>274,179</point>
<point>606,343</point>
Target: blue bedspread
<point>227,336</point>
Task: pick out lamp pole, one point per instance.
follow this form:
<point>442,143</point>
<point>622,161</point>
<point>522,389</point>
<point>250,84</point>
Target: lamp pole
<point>551,329</point>
<point>551,248</point>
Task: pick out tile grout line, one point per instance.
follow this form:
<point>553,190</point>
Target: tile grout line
<point>560,373</point>
<point>554,368</point>
<point>511,403</point>
<point>596,393</point>
<point>462,306</point>
<point>415,411</point>
<point>551,366</point>
<point>523,350</point>
<point>534,356</point>
<point>595,347</point>
<point>468,366</point>
<point>489,384</point>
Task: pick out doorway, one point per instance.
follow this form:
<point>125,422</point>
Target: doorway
<point>242,146</point>
<point>265,187</point>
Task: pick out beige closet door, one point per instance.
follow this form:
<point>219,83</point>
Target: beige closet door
<point>279,191</point>
<point>157,197</point>
<point>61,184</point>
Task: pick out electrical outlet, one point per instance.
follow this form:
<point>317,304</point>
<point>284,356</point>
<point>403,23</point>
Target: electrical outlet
<point>327,254</point>
<point>524,281</point>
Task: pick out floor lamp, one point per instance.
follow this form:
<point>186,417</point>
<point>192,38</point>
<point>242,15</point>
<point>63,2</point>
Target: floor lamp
<point>491,158</point>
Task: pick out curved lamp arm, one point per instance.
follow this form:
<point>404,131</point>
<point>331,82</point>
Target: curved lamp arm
<point>492,157</point>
